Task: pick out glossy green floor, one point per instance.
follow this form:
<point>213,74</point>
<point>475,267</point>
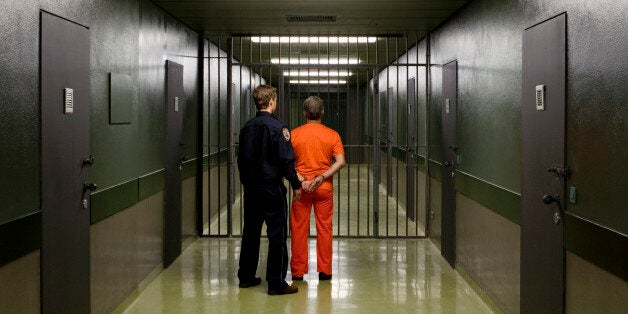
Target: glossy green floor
<point>369,276</point>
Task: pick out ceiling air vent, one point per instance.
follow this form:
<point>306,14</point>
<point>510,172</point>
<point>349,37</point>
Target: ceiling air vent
<point>311,18</point>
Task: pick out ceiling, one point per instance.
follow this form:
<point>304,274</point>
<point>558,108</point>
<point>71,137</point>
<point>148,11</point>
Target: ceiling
<point>352,17</point>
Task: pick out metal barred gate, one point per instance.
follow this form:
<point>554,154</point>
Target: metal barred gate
<point>375,96</point>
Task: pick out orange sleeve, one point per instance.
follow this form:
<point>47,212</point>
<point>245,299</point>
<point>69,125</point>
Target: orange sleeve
<point>338,147</point>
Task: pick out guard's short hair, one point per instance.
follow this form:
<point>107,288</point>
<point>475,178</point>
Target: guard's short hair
<point>313,108</point>
<point>262,96</point>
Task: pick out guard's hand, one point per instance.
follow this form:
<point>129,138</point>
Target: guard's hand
<point>296,195</point>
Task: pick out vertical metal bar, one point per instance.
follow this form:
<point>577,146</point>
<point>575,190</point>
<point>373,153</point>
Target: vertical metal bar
<point>209,136</point>
<point>376,148</point>
<point>408,149</point>
<point>427,133</point>
<point>359,137</point>
<point>368,172</point>
<point>347,134</point>
<point>230,132</point>
<point>348,148</point>
<point>235,180</point>
<point>337,128</point>
<point>270,68</point>
<point>219,49</point>
<point>200,68</point>
<point>388,134</point>
<point>396,127</point>
<point>416,136</point>
<point>330,108</point>
<point>359,128</point>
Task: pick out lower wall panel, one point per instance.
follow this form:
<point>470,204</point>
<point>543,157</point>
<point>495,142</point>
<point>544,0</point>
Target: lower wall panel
<point>435,211</point>
<point>20,285</point>
<point>488,249</point>
<point>590,289</point>
<point>188,206</point>
<point>113,259</point>
<point>150,230</point>
<point>125,248</point>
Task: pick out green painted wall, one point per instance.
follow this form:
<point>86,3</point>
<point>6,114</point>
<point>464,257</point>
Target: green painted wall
<point>129,37</point>
<point>485,37</point>
<point>118,38</point>
<point>19,112</point>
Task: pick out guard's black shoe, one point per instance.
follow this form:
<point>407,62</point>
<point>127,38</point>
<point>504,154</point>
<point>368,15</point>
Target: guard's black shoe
<point>252,283</point>
<point>297,278</point>
<point>286,289</point>
<point>323,276</point>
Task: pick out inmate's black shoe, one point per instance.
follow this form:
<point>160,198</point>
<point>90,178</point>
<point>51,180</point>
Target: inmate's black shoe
<point>286,289</point>
<point>297,278</point>
<point>323,276</point>
<point>252,283</point>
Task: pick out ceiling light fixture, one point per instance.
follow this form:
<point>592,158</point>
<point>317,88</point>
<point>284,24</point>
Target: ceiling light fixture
<point>314,61</point>
<point>318,82</point>
<point>313,40</point>
<point>317,73</point>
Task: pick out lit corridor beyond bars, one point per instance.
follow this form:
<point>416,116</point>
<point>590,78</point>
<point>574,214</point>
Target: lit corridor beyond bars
<point>353,206</point>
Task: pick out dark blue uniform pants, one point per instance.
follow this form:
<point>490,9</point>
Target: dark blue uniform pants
<point>265,204</point>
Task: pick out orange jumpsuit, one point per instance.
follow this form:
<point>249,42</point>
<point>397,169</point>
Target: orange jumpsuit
<point>314,146</point>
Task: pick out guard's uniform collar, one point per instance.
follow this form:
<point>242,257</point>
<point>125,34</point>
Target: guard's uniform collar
<point>263,113</point>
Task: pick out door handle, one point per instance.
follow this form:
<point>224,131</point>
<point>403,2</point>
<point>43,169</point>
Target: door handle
<point>183,159</point>
<point>447,163</point>
<point>548,199</point>
<point>88,162</point>
<point>89,187</point>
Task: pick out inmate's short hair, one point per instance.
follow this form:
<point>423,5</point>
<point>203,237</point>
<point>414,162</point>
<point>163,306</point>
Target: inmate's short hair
<point>262,96</point>
<point>313,108</point>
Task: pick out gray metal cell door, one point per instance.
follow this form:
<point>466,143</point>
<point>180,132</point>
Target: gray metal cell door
<point>411,150</point>
<point>448,196</point>
<point>65,162</point>
<point>543,167</point>
<point>174,158</point>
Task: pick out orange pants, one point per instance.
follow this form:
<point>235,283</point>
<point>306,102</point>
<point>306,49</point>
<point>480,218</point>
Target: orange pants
<point>323,202</point>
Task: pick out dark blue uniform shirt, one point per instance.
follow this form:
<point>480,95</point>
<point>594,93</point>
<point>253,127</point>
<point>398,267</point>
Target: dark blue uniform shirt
<point>265,154</point>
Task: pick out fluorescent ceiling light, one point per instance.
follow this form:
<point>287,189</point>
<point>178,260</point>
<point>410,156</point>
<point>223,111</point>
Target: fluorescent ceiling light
<point>318,82</point>
<point>313,40</point>
<point>317,73</point>
<point>315,61</point>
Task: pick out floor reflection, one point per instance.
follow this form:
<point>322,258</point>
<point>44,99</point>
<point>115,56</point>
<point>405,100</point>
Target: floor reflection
<point>369,276</point>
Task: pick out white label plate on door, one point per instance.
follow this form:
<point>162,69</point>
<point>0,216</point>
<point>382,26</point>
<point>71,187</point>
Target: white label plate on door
<point>540,97</point>
<point>68,101</point>
<point>176,104</point>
